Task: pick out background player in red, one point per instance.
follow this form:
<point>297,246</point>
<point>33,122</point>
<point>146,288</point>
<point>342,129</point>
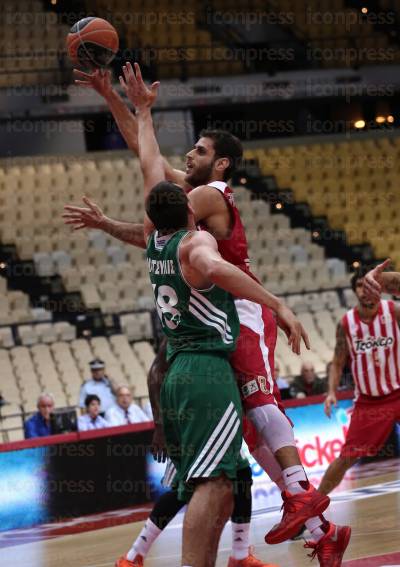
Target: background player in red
<point>369,336</point>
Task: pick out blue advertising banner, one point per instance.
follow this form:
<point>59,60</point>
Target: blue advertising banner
<point>23,488</point>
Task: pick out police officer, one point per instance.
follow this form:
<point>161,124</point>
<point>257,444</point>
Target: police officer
<point>99,385</point>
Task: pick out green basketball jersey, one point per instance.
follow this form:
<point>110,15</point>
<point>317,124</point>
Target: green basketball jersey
<point>192,320</point>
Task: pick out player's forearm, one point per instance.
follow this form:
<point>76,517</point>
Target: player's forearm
<point>335,373</point>
<point>154,383</point>
<point>151,160</point>
<point>391,283</point>
<point>131,233</point>
<point>239,284</point>
<point>125,119</point>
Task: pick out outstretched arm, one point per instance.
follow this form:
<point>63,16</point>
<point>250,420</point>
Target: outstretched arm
<point>142,98</point>
<point>92,216</point>
<point>378,281</point>
<point>204,256</point>
<point>336,368</point>
<point>100,81</point>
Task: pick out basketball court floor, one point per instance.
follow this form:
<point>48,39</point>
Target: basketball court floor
<point>368,499</point>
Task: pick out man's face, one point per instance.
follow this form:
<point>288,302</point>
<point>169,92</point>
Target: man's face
<point>94,409</point>
<point>124,398</point>
<point>98,374</point>
<point>45,407</point>
<point>361,296</point>
<point>200,163</point>
<point>308,373</point>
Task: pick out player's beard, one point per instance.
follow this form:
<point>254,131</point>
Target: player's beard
<point>200,175</point>
<point>368,305</point>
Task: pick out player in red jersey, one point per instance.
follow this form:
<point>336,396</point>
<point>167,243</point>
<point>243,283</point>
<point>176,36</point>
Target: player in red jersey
<point>205,163</point>
<point>369,336</point>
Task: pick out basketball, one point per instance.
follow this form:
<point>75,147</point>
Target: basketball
<point>92,42</point>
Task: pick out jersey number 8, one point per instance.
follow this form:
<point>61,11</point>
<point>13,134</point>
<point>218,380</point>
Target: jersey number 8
<point>166,299</point>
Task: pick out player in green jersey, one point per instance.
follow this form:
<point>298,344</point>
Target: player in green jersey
<point>200,401</point>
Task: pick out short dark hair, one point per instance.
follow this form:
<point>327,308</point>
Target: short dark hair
<point>360,273</point>
<point>226,145</point>
<point>91,398</point>
<point>167,206</point>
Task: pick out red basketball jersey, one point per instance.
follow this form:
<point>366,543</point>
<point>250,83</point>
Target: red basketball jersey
<point>374,350</point>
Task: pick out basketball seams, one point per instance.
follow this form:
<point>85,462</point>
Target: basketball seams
<point>78,40</point>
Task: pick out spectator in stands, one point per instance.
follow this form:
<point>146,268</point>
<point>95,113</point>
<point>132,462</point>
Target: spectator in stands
<point>308,383</point>
<point>99,385</point>
<point>39,424</point>
<point>282,384</point>
<point>125,411</point>
<point>92,418</point>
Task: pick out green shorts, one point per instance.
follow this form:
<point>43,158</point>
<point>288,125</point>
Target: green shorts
<point>202,418</point>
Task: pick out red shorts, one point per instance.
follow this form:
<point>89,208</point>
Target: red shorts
<point>372,421</point>
<point>253,359</point>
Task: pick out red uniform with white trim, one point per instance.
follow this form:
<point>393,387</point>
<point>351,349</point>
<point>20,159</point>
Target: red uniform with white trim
<point>375,363</point>
<point>253,360</point>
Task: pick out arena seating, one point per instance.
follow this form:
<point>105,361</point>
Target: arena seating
<point>111,275</point>
<point>32,44</point>
<point>354,183</point>
<point>15,307</point>
<point>178,47</point>
<point>337,35</point>
<point>60,368</point>
<point>285,258</point>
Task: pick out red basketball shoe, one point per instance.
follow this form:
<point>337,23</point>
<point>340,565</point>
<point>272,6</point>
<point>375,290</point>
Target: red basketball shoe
<point>124,562</point>
<point>331,547</point>
<point>249,561</point>
<point>297,508</point>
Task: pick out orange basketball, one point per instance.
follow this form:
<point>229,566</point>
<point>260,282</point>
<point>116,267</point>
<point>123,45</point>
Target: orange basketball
<point>92,42</point>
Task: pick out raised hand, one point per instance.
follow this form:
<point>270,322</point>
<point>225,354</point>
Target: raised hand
<point>372,282</point>
<point>294,330</point>
<point>90,216</point>
<point>135,88</point>
<point>99,80</point>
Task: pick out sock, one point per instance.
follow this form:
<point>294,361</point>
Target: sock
<point>295,479</point>
<point>318,527</point>
<point>144,540</point>
<point>240,540</point>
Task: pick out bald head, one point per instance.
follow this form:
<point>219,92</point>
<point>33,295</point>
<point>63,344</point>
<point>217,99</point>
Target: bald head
<point>308,372</point>
<point>45,405</point>
<point>124,397</point>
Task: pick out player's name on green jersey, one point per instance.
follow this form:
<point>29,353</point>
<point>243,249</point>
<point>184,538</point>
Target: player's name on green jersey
<point>161,267</point>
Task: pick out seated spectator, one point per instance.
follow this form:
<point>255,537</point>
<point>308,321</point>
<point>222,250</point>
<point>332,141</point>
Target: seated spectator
<point>125,411</point>
<point>308,383</point>
<point>92,418</point>
<point>99,385</point>
<point>39,424</point>
<point>282,383</point>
